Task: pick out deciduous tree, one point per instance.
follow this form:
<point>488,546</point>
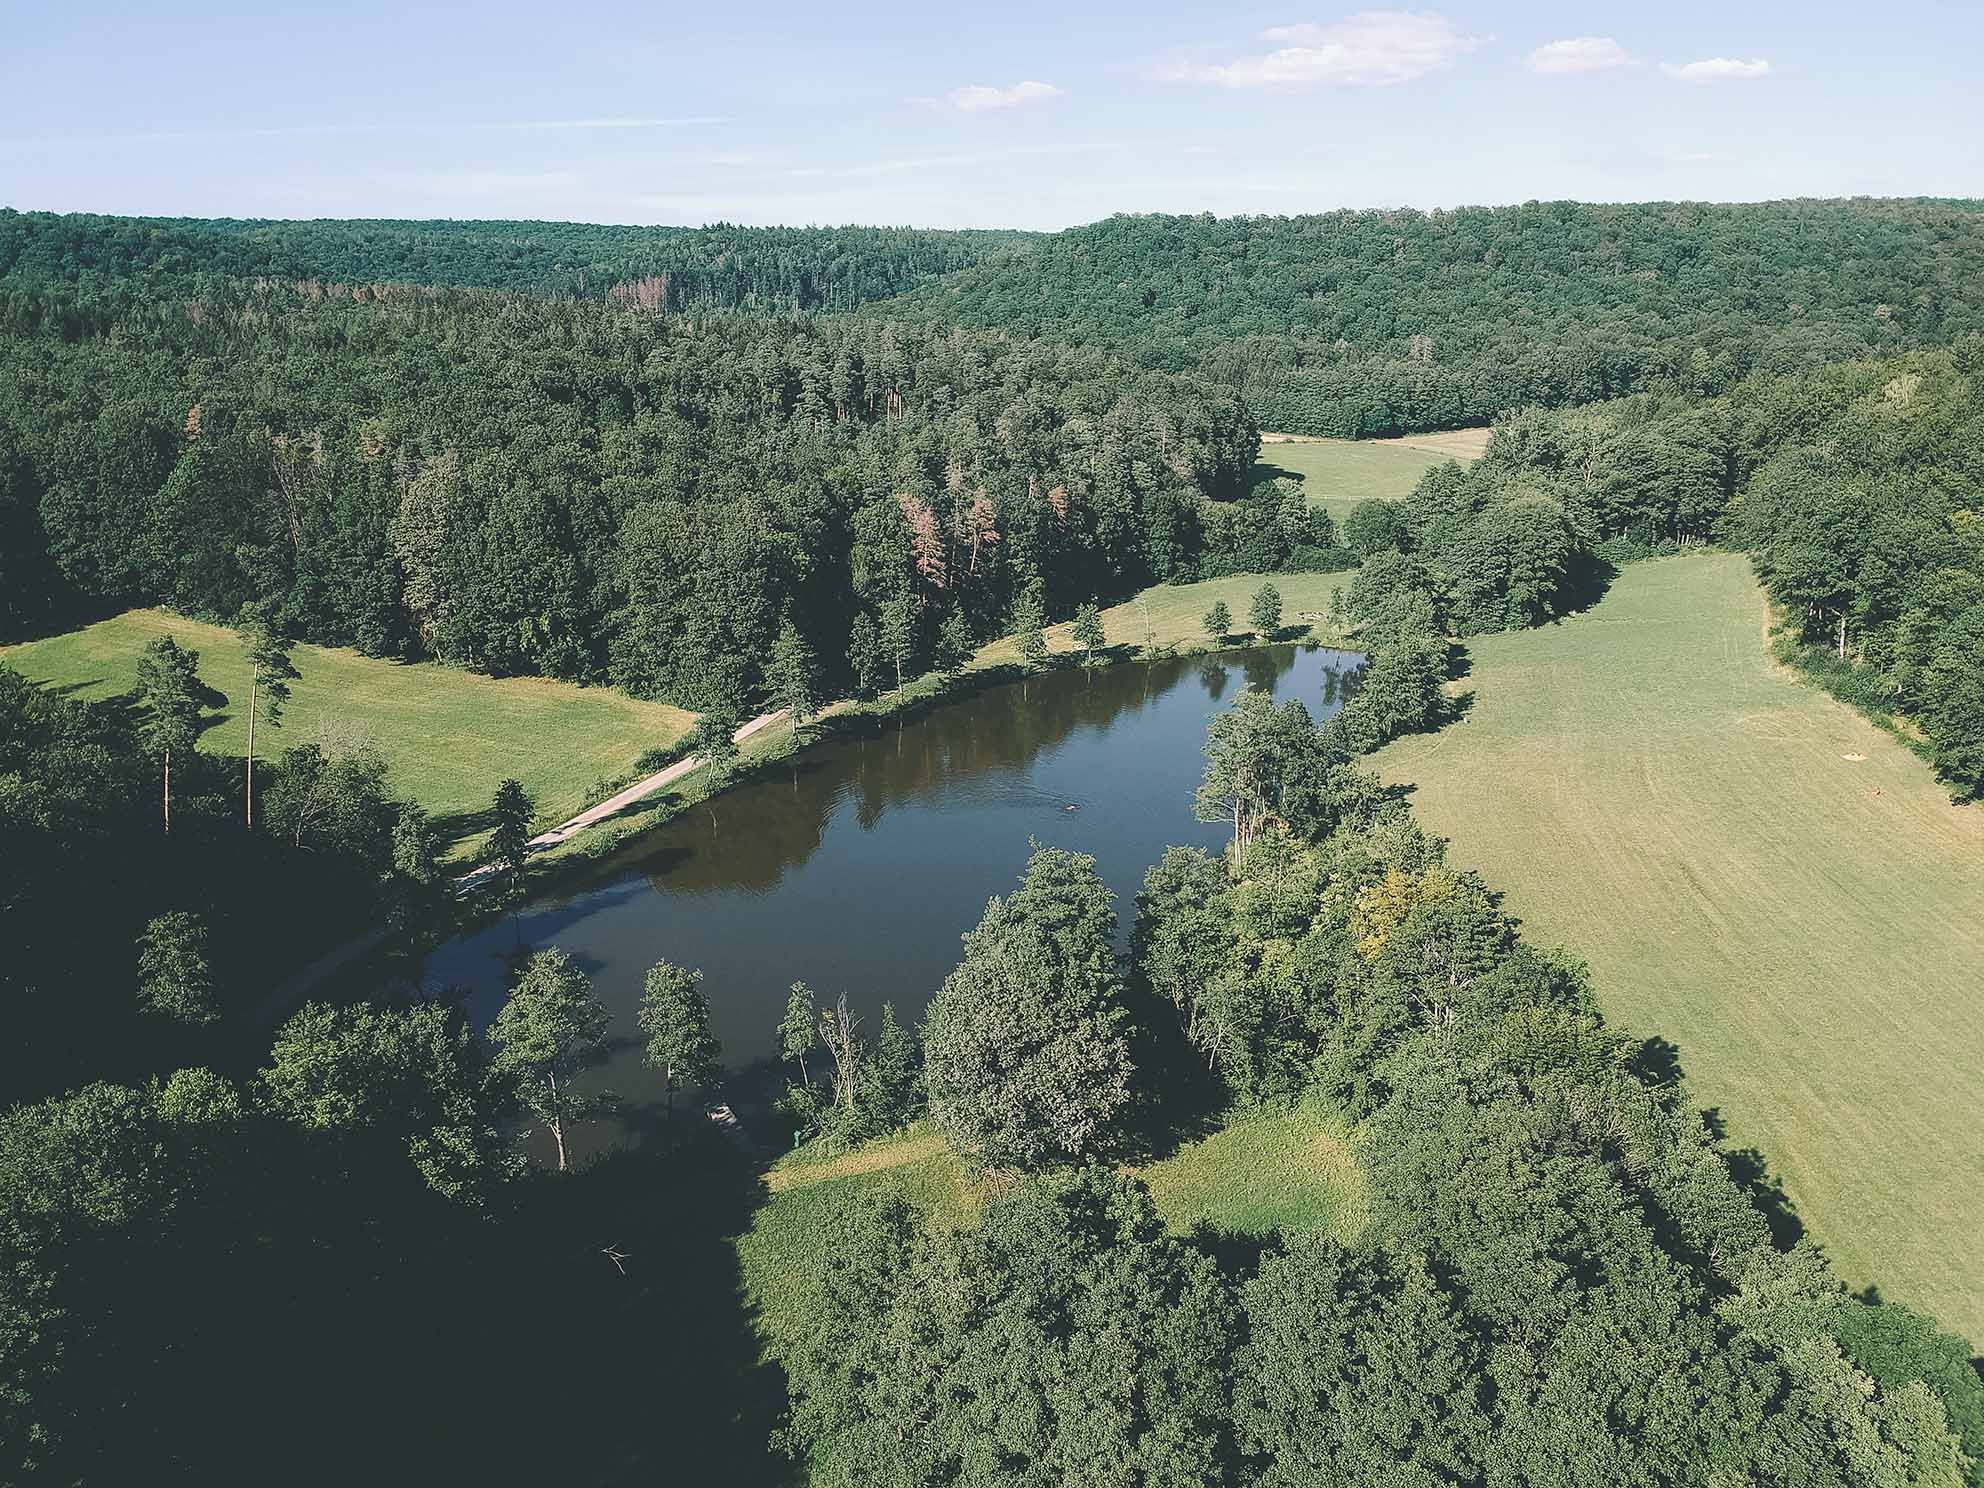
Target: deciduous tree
<point>174,978</point>
<point>550,1029</point>
<point>676,1019</point>
<point>1218,622</point>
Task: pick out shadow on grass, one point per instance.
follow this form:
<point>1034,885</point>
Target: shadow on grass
<point>1657,1062</point>
<point>1585,583</point>
<point>654,1360</point>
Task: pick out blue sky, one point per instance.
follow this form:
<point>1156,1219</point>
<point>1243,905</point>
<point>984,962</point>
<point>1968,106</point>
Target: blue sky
<point>1019,115</point>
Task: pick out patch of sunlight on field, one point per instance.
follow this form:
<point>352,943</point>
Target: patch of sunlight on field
<point>1293,1170</point>
<point>1336,474</point>
<point>448,736</point>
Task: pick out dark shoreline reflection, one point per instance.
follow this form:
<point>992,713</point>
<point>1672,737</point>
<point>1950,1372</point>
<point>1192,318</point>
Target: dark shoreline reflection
<point>857,866</point>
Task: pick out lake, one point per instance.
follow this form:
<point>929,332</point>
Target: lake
<point>857,866</point>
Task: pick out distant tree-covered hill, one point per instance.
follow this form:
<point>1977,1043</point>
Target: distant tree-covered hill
<point>775,269</point>
<point>1379,322</point>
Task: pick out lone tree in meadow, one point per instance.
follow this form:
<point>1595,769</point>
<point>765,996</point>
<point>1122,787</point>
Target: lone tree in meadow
<point>174,979</point>
<point>270,671</point>
<point>1265,611</point>
<point>170,690</point>
<point>792,674</point>
<point>1218,622</point>
<point>549,1030</point>
<point>1088,633</point>
<point>676,1018</point>
<point>1026,1061</point>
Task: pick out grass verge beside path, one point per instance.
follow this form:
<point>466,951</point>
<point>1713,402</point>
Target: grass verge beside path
<point>1758,873</point>
<point>1291,1170</point>
<point>448,736</point>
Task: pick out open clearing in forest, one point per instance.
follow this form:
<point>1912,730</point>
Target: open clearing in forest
<point>1336,474</point>
<point>1174,614</point>
<point>1649,788</point>
<point>448,736</point>
<point>1292,1170</point>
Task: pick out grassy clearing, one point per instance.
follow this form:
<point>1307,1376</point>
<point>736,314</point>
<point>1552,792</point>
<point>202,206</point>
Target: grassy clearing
<point>1174,614</point>
<point>1650,788</point>
<point>1336,474</point>
<point>1293,1170</point>
<point>448,736</point>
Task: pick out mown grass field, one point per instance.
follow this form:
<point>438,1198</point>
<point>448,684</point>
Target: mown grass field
<point>1293,1170</point>
<point>448,736</point>
<point>1759,875</point>
<point>1336,474</point>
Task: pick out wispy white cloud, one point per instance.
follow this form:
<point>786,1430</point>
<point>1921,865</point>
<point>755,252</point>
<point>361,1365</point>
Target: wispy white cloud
<point>1371,49</point>
<point>1717,70</point>
<point>1580,54</point>
<point>977,98</point>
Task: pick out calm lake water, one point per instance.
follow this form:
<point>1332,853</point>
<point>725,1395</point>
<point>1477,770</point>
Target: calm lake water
<point>857,867</point>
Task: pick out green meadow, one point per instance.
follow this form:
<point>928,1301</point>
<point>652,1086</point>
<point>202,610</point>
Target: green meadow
<point>1336,474</point>
<point>447,736</point>
<point>1758,874</point>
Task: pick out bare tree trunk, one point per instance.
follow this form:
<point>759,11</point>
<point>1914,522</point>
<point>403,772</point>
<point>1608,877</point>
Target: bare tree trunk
<point>168,792</point>
<point>557,1120</point>
<point>1842,635</point>
<point>251,754</point>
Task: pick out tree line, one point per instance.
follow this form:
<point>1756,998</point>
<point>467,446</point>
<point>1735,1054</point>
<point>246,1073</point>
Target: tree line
<point>776,270</point>
<point>589,492</point>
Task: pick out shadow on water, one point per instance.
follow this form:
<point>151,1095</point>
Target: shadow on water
<point>638,1318</point>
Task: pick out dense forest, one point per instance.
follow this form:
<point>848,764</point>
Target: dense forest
<point>726,467</point>
<point>585,491</point>
<point>1374,323</point>
<point>772,270</point>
